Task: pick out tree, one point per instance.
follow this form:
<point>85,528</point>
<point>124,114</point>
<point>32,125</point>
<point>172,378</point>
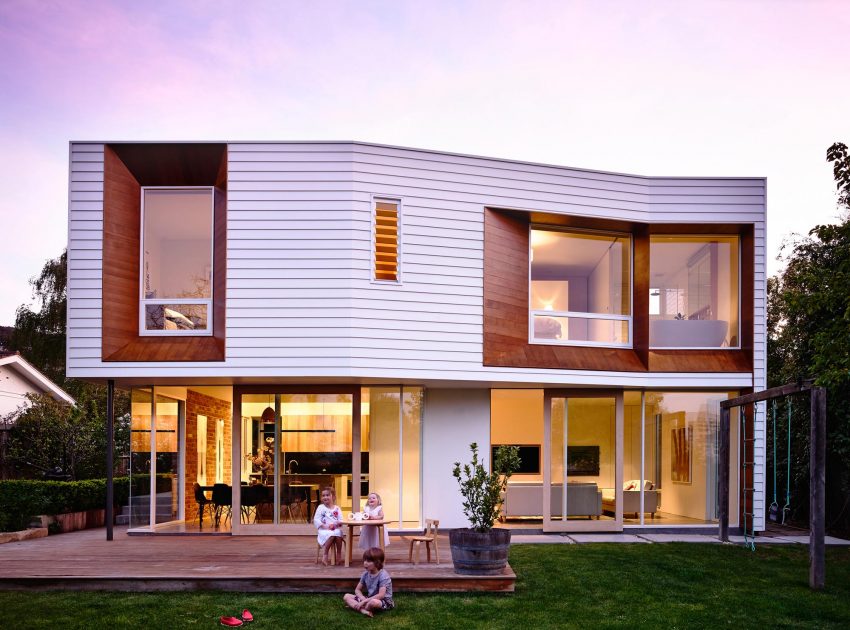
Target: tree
<point>48,434</point>
<point>40,335</point>
<point>837,154</point>
<point>809,336</point>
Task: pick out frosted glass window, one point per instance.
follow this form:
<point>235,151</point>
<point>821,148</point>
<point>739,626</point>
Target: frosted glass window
<point>391,442</point>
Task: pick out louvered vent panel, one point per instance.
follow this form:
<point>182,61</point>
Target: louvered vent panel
<point>386,241</point>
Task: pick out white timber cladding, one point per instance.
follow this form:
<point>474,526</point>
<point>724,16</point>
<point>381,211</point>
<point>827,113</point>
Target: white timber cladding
<point>85,256</point>
<point>301,302</point>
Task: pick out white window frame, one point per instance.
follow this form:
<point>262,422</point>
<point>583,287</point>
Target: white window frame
<point>143,302</point>
<point>374,210</point>
<point>580,314</point>
<point>740,295</point>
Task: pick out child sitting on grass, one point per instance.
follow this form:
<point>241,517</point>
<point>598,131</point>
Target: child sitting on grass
<point>376,582</point>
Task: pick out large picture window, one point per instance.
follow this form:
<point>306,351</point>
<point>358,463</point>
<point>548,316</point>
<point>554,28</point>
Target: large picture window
<point>177,261</point>
<point>694,292</point>
<point>580,288</point>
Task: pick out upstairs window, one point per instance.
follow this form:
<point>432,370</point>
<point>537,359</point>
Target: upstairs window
<point>176,261</point>
<point>580,288</point>
<point>386,240</point>
<point>694,292</point>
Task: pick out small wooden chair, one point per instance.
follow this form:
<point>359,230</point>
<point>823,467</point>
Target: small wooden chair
<point>331,552</point>
<point>429,536</point>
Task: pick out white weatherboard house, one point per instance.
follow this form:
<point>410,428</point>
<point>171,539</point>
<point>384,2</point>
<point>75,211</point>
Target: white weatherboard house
<point>18,379</point>
<point>294,315</point>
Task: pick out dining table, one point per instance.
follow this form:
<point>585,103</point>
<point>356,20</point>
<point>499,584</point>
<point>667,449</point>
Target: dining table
<point>351,523</point>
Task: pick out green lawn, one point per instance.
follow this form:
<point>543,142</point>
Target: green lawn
<point>671,586</point>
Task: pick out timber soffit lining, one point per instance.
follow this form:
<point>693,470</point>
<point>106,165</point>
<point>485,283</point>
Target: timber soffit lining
<point>126,168</point>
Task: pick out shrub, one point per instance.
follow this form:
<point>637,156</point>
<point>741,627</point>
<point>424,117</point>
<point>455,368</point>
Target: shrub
<point>23,499</point>
<point>482,491</point>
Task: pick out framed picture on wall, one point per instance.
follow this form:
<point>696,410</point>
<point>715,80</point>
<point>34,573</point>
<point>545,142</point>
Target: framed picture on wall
<point>681,447</point>
<point>582,461</point>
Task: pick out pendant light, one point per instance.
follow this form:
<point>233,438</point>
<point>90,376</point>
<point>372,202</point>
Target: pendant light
<point>268,413</point>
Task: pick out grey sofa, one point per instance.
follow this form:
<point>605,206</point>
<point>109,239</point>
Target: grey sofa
<point>631,501</point>
<point>525,498</point>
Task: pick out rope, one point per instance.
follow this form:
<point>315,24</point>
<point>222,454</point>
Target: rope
<point>773,510</point>
<point>786,510</point>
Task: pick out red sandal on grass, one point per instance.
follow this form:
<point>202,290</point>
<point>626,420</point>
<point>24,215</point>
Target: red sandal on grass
<point>231,622</point>
<point>247,617</point>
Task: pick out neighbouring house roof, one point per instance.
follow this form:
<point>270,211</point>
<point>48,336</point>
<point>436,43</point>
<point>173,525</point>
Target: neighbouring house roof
<point>19,377</point>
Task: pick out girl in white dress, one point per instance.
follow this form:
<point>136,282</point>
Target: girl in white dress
<point>369,533</point>
<point>328,522</point>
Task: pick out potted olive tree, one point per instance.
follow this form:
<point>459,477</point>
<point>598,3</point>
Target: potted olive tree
<point>480,549</point>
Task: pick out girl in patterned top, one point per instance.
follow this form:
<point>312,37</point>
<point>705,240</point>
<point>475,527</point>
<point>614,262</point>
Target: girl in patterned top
<point>328,522</point>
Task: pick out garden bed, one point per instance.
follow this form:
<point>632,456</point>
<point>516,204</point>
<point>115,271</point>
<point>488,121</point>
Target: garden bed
<point>24,534</point>
<point>72,521</point>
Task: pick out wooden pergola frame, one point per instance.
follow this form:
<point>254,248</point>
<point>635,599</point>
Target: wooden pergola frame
<point>817,467</point>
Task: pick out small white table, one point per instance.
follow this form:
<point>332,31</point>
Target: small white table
<point>351,523</point>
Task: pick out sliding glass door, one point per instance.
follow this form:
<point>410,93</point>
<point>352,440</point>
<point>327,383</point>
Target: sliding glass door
<point>295,441</point>
<point>157,426</point>
<point>583,464</point>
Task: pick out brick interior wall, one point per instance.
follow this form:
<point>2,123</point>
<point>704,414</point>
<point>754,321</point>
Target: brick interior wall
<point>214,409</point>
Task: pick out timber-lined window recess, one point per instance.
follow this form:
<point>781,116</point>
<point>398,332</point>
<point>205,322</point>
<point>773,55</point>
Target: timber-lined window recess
<point>176,261</point>
<point>580,288</point>
<point>694,294</point>
<point>386,240</point>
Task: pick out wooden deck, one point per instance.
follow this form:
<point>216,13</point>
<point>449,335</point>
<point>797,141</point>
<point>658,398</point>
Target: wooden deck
<point>86,561</point>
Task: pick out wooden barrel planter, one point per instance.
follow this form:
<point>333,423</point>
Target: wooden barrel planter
<point>480,553</point>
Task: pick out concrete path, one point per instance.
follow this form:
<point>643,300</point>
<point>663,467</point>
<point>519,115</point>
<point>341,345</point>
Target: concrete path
<point>541,539</point>
<point>601,538</point>
<point>690,538</point>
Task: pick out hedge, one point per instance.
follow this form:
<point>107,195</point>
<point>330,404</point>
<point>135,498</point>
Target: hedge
<point>23,499</point>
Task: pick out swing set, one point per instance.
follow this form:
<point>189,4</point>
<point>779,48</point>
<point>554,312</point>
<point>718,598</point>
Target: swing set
<point>774,514</point>
<point>817,470</point>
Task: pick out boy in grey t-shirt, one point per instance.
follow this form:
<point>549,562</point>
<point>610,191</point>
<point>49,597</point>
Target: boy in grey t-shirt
<point>376,582</point>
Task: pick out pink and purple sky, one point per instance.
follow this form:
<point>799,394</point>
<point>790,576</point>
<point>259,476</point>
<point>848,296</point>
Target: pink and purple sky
<point>727,88</point>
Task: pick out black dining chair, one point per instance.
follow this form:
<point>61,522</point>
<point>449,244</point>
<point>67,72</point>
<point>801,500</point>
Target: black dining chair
<point>250,499</point>
<point>291,499</point>
<point>222,498</point>
<point>203,503</point>
<point>265,501</point>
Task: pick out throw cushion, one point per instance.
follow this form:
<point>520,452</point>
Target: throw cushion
<point>634,484</point>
